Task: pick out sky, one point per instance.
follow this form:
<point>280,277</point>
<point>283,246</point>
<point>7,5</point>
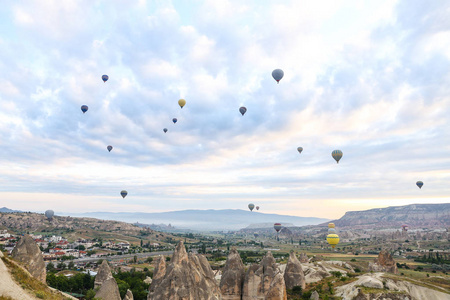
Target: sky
<point>370,78</point>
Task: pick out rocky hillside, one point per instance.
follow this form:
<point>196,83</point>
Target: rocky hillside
<point>38,222</point>
<point>416,215</point>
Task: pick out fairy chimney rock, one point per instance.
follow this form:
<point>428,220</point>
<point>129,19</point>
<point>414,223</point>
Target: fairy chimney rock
<point>303,258</point>
<point>293,275</point>
<point>233,277</point>
<point>103,274</point>
<point>186,277</point>
<point>264,280</point>
<point>29,254</point>
<point>384,263</point>
<point>108,290</point>
<point>128,295</point>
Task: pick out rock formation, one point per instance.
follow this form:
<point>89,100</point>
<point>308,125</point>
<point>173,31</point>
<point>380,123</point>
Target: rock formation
<point>108,290</point>
<point>384,263</point>
<point>28,253</point>
<point>128,295</point>
<point>303,258</point>
<point>264,281</point>
<point>232,277</point>
<point>103,274</point>
<point>186,277</point>
<point>314,296</point>
<point>293,275</point>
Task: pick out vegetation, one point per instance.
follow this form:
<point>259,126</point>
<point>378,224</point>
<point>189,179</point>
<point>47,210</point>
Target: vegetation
<point>29,283</point>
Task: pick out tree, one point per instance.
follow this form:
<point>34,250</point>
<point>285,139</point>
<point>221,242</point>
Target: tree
<point>71,265</point>
<point>50,267</point>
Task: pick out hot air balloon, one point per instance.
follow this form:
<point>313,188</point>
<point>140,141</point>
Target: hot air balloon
<point>124,193</point>
<point>257,208</point>
<point>331,230</point>
<point>242,110</point>
<point>181,103</point>
<point>105,78</point>
<point>49,214</point>
<point>84,108</point>
<point>405,227</point>
<point>256,235</point>
<point>299,149</point>
<point>331,225</point>
<point>277,227</point>
<point>174,120</point>
<point>419,184</point>
<point>251,206</point>
<point>337,155</point>
<point>333,239</point>
<point>109,148</point>
<point>165,129</point>
<point>277,74</point>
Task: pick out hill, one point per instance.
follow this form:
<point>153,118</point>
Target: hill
<point>7,210</point>
<point>206,220</point>
<point>414,215</point>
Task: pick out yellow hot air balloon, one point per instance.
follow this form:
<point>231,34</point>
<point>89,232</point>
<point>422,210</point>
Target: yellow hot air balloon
<point>331,225</point>
<point>181,103</point>
<point>333,239</point>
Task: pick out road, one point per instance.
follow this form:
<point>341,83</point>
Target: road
<point>117,257</point>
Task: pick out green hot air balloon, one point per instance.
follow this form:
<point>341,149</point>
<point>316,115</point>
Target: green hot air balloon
<point>123,193</point>
<point>337,155</point>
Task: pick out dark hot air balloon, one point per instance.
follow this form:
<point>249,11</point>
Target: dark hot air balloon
<point>123,193</point>
<point>277,227</point>
<point>165,129</point>
<point>84,108</point>
<point>257,208</point>
<point>277,74</point>
<point>109,148</point>
<point>174,120</point>
<point>105,78</point>
<point>251,206</point>
<point>242,110</point>
<point>49,214</point>
<point>419,184</point>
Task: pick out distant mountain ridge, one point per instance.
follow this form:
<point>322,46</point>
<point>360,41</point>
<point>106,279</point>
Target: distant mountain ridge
<point>413,215</point>
<point>205,220</point>
<point>7,210</point>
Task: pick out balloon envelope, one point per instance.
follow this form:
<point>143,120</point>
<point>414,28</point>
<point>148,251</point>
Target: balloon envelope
<point>277,74</point>
<point>105,78</point>
<point>419,184</point>
<point>257,208</point>
<point>174,120</point>
<point>251,206</point>
<point>333,239</point>
<point>299,149</point>
<point>242,110</point>
<point>337,155</point>
<point>124,193</point>
<point>49,214</point>
<point>331,230</point>
<point>181,103</point>
<point>109,148</point>
<point>84,108</point>
<point>331,225</point>
<point>165,129</point>
<point>277,226</point>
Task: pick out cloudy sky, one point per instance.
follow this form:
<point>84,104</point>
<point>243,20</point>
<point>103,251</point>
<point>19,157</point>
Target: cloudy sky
<point>371,78</point>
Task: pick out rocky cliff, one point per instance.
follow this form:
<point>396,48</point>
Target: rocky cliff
<point>414,215</point>
<point>108,289</point>
<point>103,274</point>
<point>29,254</point>
<point>186,277</point>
